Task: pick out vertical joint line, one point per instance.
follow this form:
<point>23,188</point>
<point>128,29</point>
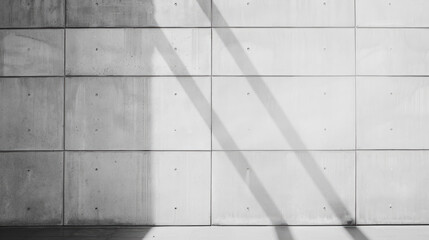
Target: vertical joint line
<point>355,42</point>
<point>211,112</point>
<point>64,106</point>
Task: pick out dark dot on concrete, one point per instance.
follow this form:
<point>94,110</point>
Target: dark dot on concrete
<point>391,93</point>
<point>29,94</point>
<point>96,94</point>
<point>28,130</point>
<point>324,129</point>
<point>96,169</point>
<point>28,209</point>
<point>175,94</point>
<point>96,49</point>
<point>28,170</point>
<point>248,208</point>
<point>324,3</point>
<point>175,169</point>
<point>248,48</point>
<point>175,4</point>
<point>175,49</point>
<point>248,93</point>
<point>96,208</point>
<point>96,3</point>
<point>248,3</point>
<point>175,208</point>
<point>96,130</point>
<point>28,49</point>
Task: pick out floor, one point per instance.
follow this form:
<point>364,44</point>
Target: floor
<point>376,232</point>
<point>72,233</point>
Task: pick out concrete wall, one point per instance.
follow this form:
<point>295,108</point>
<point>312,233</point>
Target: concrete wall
<point>214,112</point>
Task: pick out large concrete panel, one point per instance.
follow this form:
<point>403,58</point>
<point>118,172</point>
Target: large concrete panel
<point>392,52</point>
<point>31,13</point>
<point>283,51</point>
<point>277,113</point>
<point>31,113</point>
<point>137,114</point>
<point>392,113</point>
<point>149,188</point>
<point>31,187</point>
<point>31,52</point>
<point>392,13</point>
<point>391,187</point>
<point>138,13</point>
<point>304,13</point>
<point>275,187</point>
<point>138,51</point>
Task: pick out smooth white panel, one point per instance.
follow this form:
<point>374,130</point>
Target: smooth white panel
<point>138,13</point>
<point>392,52</point>
<point>31,113</point>
<point>391,187</point>
<point>283,51</point>
<point>145,188</point>
<point>31,188</point>
<point>295,188</point>
<point>138,113</point>
<point>392,113</point>
<point>392,13</point>
<point>308,13</point>
<point>32,52</point>
<point>277,113</point>
<point>149,51</point>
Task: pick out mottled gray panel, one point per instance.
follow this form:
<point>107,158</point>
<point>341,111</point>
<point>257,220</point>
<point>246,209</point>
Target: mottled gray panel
<point>392,187</point>
<point>31,187</point>
<point>137,113</point>
<point>392,112</point>
<point>275,187</point>
<point>278,13</point>
<point>149,188</point>
<point>31,13</point>
<point>32,52</point>
<point>283,51</point>
<point>31,113</point>
<point>138,51</point>
<point>138,13</point>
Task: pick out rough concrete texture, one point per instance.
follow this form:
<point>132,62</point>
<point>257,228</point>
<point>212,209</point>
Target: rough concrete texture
<point>31,13</point>
<point>31,113</point>
<point>31,187</point>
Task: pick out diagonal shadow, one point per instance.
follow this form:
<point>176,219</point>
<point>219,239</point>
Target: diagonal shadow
<point>286,128</point>
<point>282,122</point>
<point>240,162</point>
